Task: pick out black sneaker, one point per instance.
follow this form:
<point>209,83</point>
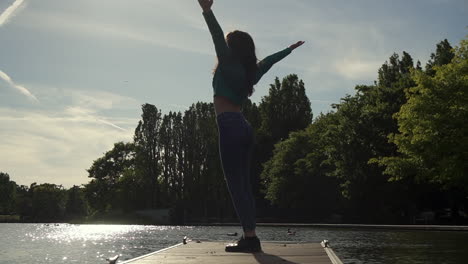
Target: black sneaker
<point>247,245</point>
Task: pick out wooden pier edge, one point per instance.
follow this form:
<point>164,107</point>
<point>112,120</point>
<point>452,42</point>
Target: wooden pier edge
<point>328,255</point>
<point>331,254</point>
<point>149,254</point>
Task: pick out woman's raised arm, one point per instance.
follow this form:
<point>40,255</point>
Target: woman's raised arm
<point>205,4</point>
<point>265,64</point>
<point>215,29</point>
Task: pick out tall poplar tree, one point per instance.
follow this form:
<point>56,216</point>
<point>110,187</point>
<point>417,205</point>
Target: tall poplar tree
<point>148,152</point>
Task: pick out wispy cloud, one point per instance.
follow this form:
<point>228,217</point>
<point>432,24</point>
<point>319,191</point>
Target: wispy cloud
<point>160,36</point>
<point>357,69</point>
<point>111,124</point>
<point>44,146</point>
<point>88,104</point>
<point>58,145</point>
<point>9,11</point>
<point>88,115</point>
<point>178,106</point>
<point>20,88</point>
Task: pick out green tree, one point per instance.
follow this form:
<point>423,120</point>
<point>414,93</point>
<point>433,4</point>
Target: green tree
<point>443,55</point>
<point>296,176</point>
<point>171,158</point>
<point>77,205</point>
<point>48,202</point>
<point>148,152</point>
<point>360,135</point>
<point>23,202</point>
<point>204,187</point>
<point>177,180</point>
<point>433,126</point>
<point>130,191</point>
<point>286,108</point>
<point>7,194</point>
<point>106,172</point>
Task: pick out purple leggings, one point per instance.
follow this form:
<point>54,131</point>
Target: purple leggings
<point>236,142</point>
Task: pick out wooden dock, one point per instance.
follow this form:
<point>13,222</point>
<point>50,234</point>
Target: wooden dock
<point>213,253</point>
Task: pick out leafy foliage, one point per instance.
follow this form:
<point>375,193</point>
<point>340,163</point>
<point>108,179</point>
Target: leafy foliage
<point>7,194</point>
<point>433,125</point>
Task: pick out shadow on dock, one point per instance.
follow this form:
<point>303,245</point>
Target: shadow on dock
<point>265,258</point>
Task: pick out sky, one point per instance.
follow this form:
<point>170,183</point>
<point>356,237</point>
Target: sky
<point>74,74</point>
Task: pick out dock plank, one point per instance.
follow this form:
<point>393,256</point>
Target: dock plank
<point>213,253</point>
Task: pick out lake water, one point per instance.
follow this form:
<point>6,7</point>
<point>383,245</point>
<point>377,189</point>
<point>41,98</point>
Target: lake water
<point>65,243</point>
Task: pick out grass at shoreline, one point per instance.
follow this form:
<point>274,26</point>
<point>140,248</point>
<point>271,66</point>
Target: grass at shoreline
<point>10,218</point>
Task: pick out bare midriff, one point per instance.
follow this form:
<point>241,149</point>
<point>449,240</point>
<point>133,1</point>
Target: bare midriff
<point>223,104</point>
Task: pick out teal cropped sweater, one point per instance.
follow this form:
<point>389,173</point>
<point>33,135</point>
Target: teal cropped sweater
<point>230,79</point>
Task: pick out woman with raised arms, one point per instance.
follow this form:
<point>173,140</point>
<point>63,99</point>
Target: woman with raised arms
<point>237,72</point>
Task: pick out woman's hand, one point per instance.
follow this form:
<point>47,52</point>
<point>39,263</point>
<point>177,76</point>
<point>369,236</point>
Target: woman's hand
<point>205,4</point>
<point>293,46</point>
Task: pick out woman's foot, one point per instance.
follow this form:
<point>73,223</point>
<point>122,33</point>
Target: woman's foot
<point>245,244</point>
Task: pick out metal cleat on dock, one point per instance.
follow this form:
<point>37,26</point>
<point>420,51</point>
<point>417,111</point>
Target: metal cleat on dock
<point>325,243</point>
<point>113,260</point>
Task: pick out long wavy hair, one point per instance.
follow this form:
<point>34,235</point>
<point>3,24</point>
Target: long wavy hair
<point>243,49</point>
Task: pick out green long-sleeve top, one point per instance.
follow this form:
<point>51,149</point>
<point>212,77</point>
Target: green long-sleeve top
<point>230,79</point>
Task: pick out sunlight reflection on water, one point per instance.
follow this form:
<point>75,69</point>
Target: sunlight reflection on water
<point>68,233</point>
<point>66,243</point>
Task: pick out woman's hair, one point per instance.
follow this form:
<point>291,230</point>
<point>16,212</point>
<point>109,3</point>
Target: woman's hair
<point>243,49</point>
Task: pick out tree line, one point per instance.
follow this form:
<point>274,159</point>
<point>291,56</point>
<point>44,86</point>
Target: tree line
<point>394,152</point>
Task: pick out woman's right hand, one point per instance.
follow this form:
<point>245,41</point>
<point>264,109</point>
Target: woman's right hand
<point>297,44</point>
<point>205,4</point>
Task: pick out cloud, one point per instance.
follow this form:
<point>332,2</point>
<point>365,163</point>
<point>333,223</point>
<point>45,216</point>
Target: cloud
<point>9,11</point>
<point>175,37</point>
<point>88,104</point>
<point>50,147</point>
<point>88,115</point>
<point>111,124</point>
<point>20,88</point>
<point>178,106</point>
<point>58,145</point>
<point>100,100</point>
<point>357,69</point>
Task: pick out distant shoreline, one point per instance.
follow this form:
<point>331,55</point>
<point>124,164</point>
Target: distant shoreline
<point>357,226</point>
<point>289,225</point>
